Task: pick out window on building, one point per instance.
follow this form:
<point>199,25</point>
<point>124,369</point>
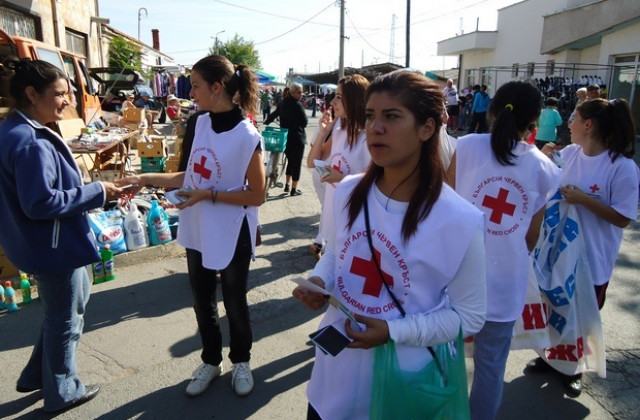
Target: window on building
<point>551,67</point>
<point>76,42</point>
<point>514,70</point>
<point>19,24</point>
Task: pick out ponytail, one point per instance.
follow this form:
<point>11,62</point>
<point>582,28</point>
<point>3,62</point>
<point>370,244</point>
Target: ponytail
<point>515,108</point>
<point>246,88</point>
<point>613,125</point>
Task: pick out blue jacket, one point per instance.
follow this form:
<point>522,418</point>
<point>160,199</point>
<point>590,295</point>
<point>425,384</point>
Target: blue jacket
<point>43,202</point>
<point>481,102</point>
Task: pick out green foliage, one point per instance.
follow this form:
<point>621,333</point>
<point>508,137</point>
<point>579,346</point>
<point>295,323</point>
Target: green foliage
<point>238,51</point>
<point>120,52</point>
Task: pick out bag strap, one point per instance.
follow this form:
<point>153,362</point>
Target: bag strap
<point>393,296</point>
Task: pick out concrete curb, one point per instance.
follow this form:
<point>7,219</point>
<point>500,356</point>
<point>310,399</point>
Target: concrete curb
<point>170,249</point>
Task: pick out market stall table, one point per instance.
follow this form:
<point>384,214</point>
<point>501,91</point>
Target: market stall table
<point>106,150</point>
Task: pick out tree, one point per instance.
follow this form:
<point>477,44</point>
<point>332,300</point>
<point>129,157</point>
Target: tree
<point>238,51</point>
<point>121,52</point>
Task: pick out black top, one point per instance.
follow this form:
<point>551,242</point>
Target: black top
<point>293,117</point>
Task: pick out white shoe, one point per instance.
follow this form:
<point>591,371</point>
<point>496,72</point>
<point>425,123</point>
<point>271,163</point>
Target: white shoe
<point>201,378</point>
<point>241,379</point>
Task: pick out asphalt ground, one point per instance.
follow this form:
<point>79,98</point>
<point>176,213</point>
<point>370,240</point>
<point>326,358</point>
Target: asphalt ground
<point>140,339</point>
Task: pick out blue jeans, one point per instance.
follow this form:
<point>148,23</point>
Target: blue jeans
<point>52,365</point>
<point>491,349</point>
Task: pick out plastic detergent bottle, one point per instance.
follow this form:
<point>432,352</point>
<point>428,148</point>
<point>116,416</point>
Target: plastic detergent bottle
<point>25,288</point>
<point>107,263</point>
<point>98,271</point>
<point>158,223</point>
<point>10,297</point>
<point>3,304</point>
<point>134,229</point>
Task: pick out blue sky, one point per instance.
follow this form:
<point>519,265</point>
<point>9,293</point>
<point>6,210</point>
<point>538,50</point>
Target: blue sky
<point>305,34</point>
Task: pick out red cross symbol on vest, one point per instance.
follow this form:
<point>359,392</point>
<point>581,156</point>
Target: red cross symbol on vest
<point>368,270</point>
<point>499,206</point>
<point>337,167</point>
<point>594,188</point>
<point>200,169</point>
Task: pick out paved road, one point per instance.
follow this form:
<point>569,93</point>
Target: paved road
<point>141,343</point>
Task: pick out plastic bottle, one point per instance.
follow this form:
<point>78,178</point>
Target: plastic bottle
<point>10,297</point>
<point>107,263</point>
<point>135,229</point>
<point>25,288</point>
<point>3,304</point>
<point>158,223</point>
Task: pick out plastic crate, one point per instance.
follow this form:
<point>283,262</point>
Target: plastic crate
<point>275,139</point>
<point>154,164</point>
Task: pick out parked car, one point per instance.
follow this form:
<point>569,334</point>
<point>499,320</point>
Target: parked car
<point>114,84</point>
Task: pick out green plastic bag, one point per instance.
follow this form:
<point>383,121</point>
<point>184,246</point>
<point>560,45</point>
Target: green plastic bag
<point>424,394</point>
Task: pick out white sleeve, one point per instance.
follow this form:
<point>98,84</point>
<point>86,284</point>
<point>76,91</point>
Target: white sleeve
<point>468,296</point>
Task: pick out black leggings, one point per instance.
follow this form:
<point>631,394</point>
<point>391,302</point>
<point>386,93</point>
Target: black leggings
<point>294,152</point>
<point>234,294</point>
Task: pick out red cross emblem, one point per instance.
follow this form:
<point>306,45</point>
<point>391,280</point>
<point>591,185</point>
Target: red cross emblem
<point>199,168</point>
<point>368,270</point>
<point>337,167</point>
<point>594,188</point>
<point>499,206</point>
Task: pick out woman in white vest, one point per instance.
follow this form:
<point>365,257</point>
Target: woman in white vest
<point>600,177</point>
<point>348,144</point>
<point>511,182</point>
<point>427,241</point>
<point>224,184</point>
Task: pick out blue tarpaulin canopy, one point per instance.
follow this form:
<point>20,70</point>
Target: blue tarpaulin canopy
<point>264,78</point>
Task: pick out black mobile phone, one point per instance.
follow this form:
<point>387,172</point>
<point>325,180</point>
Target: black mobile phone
<point>330,340</point>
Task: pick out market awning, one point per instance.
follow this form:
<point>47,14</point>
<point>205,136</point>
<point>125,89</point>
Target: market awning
<point>264,78</point>
<point>303,81</point>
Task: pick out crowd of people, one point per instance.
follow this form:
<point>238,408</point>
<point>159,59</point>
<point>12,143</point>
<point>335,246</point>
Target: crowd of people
<point>419,243</point>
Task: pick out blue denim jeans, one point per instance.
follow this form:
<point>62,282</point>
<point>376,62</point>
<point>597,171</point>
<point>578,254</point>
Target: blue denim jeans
<point>234,296</point>
<point>52,365</point>
<point>491,349</point>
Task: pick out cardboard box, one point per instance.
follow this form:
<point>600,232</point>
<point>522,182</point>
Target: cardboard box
<point>132,114</point>
<point>156,147</point>
<point>172,163</point>
<point>7,269</point>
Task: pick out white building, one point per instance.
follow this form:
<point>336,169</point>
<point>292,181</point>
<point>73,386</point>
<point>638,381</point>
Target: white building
<point>578,40</point>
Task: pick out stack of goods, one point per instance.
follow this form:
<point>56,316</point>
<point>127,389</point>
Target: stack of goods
<point>153,154</point>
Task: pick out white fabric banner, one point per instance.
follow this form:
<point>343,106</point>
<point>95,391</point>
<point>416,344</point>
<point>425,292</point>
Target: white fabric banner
<point>574,325</point>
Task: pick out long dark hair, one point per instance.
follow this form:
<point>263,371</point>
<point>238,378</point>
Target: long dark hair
<point>21,73</point>
<point>354,88</point>
<point>515,108</point>
<point>239,81</point>
<point>613,124</point>
<point>425,100</point>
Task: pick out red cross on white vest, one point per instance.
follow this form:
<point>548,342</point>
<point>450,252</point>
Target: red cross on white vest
<point>594,188</point>
<point>368,270</point>
<point>202,170</point>
<point>499,206</point>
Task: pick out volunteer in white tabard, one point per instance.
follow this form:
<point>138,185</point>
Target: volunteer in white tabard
<point>510,181</point>
<point>600,177</point>
<point>427,240</point>
<point>223,181</point>
<point>348,144</point>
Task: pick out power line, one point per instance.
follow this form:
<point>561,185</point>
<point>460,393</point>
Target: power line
<point>293,29</point>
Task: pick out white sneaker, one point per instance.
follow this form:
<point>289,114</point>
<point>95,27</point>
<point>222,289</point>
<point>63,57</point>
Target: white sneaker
<point>201,378</point>
<point>241,379</point>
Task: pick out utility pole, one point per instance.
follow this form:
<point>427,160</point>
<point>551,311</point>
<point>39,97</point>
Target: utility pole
<point>341,59</point>
<point>392,48</point>
<point>145,15</point>
<point>408,52</point>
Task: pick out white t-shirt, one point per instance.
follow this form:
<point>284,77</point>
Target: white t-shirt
<point>450,95</point>
<point>612,183</point>
<point>444,254</point>
<point>509,196</point>
<point>218,162</point>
